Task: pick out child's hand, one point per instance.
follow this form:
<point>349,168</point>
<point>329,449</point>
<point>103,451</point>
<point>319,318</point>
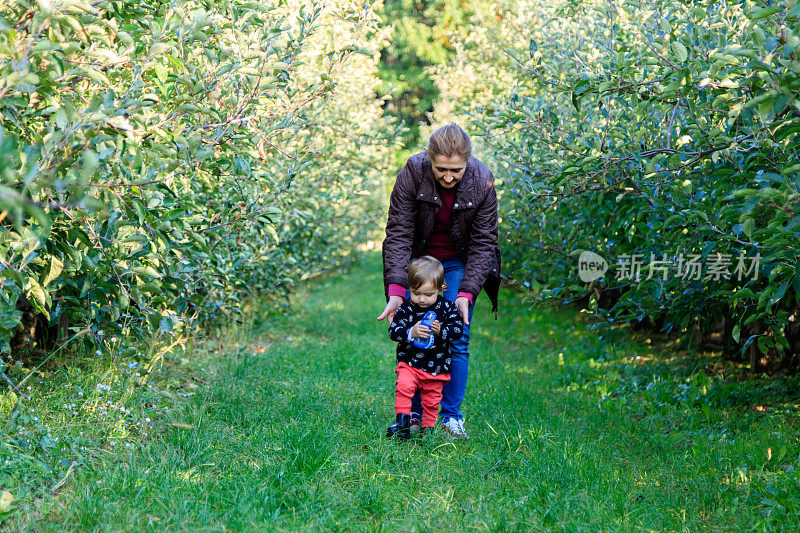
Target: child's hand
<point>419,331</point>
<point>436,327</point>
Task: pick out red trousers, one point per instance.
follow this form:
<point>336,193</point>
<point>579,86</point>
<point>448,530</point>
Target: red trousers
<point>409,379</point>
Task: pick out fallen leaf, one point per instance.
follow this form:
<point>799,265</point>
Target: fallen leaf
<point>6,499</point>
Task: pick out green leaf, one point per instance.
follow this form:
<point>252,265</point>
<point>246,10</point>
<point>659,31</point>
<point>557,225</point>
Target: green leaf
<point>796,286</point>
<point>680,51</point>
<point>147,271</point>
<point>767,109</point>
<point>748,226</point>
<point>90,163</point>
<point>790,169</point>
<point>33,288</point>
<point>176,62</point>
<point>270,229</point>
<point>136,237</point>
<point>123,299</point>
<point>764,13</point>
<point>16,275</point>
<point>743,293</point>
<point>779,292</point>
<point>160,48</point>
<point>96,76</point>
<point>82,236</point>
<point>61,119</point>
<point>56,266</point>
<point>161,72</point>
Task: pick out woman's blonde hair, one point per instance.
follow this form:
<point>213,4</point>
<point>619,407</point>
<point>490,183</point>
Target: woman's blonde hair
<point>424,269</point>
<point>449,140</point>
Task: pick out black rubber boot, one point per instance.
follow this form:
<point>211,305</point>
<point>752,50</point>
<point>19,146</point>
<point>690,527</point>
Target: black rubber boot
<point>400,428</point>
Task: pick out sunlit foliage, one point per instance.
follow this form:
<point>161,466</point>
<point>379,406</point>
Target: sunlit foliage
<point>658,127</point>
<point>162,160</point>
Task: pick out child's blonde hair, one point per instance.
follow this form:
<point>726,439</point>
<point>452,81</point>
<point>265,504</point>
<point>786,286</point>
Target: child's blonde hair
<point>424,269</point>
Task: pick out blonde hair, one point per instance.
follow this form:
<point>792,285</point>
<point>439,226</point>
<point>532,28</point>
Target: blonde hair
<point>449,140</point>
<point>425,269</point>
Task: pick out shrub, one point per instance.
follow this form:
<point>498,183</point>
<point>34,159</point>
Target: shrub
<point>163,160</point>
<point>666,129</point>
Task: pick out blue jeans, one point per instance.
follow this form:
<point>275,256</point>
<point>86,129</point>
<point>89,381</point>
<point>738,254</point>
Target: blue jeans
<point>453,391</point>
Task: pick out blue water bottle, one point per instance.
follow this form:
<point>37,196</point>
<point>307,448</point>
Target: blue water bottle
<point>427,320</point>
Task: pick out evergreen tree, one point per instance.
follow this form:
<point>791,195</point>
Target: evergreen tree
<point>421,38</point>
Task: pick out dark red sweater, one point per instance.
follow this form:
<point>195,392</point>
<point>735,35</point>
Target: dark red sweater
<point>440,243</point>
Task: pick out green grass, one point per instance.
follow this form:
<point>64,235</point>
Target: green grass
<point>569,432</point>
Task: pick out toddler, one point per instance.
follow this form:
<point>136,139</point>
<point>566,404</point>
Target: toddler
<point>424,369</point>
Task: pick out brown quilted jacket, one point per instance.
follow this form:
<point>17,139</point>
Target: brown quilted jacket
<point>473,224</point>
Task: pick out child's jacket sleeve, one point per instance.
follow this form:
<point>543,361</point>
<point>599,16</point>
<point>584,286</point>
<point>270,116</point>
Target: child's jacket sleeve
<point>452,324</point>
<point>401,325</point>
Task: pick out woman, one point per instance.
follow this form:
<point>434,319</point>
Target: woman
<point>444,204</point>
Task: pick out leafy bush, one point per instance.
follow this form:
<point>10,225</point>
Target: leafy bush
<point>666,129</point>
<point>162,160</point>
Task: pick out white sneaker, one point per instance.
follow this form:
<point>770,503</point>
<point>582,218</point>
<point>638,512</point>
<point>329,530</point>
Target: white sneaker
<point>455,428</point>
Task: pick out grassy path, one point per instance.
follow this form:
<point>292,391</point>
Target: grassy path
<point>569,432</point>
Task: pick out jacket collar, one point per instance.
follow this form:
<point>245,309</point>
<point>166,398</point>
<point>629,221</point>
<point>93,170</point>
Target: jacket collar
<point>465,192</point>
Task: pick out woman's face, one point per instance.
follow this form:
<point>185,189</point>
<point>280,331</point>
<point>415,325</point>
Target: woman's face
<point>448,171</point>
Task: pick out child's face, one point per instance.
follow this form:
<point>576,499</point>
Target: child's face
<point>425,295</point>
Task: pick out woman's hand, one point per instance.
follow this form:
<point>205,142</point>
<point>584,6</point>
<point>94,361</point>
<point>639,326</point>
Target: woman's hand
<point>462,304</point>
<point>420,331</point>
<point>391,308</point>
